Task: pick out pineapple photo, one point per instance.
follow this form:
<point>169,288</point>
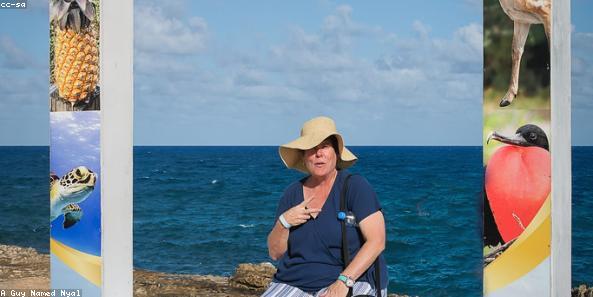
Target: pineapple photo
<point>74,55</point>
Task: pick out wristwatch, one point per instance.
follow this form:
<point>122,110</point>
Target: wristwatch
<point>346,280</point>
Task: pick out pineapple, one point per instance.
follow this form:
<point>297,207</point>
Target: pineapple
<point>76,54</point>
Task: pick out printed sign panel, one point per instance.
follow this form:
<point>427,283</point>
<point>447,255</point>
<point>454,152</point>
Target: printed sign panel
<point>75,120</point>
<point>74,55</point>
<point>517,159</point>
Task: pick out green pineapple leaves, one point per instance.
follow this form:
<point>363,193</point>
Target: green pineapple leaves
<point>88,10</point>
<point>72,14</point>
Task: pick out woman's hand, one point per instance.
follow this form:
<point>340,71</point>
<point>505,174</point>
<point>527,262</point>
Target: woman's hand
<point>300,213</point>
<point>337,289</point>
<point>278,237</point>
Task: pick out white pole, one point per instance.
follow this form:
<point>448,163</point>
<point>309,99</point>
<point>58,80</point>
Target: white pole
<point>561,148</point>
<point>117,83</point>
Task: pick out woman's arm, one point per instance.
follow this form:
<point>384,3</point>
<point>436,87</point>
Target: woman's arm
<point>373,231</point>
<point>278,237</point>
<point>277,241</point>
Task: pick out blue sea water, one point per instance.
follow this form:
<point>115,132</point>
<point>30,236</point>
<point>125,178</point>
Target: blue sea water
<point>206,209</point>
<point>582,221</point>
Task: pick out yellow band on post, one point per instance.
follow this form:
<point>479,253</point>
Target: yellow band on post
<point>87,265</point>
<point>525,254</point>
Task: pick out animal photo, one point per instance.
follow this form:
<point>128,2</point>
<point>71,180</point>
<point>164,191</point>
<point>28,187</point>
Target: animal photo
<point>69,190</point>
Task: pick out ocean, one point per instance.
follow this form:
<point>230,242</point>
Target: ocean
<point>204,210</point>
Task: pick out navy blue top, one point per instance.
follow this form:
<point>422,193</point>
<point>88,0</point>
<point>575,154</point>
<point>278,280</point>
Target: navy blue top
<point>313,259</point>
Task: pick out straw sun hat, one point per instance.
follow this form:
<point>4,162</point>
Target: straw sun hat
<point>313,133</point>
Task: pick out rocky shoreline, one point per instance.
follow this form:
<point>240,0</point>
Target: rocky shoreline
<point>582,291</point>
<point>25,268</point>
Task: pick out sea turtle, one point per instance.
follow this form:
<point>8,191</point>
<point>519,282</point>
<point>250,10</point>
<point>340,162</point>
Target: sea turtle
<point>66,192</point>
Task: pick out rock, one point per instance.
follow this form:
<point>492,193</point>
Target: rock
<point>26,283</point>
<point>582,291</point>
<point>153,284</point>
<point>25,268</point>
<point>23,265</point>
<point>253,276</point>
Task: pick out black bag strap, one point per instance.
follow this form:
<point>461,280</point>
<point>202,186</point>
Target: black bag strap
<point>345,250</point>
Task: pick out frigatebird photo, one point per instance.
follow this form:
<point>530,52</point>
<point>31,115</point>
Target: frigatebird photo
<point>517,182</point>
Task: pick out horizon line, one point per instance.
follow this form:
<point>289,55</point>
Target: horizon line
<point>267,145</point>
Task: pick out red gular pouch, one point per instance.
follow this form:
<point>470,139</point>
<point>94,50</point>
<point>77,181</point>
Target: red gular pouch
<point>518,181</point>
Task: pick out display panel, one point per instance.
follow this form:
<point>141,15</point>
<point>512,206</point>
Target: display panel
<point>517,157</point>
<point>75,149</point>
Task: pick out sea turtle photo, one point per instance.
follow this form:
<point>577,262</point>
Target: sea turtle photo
<point>74,187</point>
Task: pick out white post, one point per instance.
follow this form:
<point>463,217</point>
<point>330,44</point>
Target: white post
<point>561,148</point>
<point>117,41</point>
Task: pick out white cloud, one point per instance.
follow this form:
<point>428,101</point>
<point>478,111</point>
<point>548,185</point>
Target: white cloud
<point>172,9</point>
<point>158,33</point>
<point>167,42</point>
<point>414,73</point>
<point>322,71</point>
<point>421,28</point>
<point>472,36</point>
<point>339,29</point>
<point>147,63</point>
<point>310,52</point>
<point>81,124</point>
<point>57,118</point>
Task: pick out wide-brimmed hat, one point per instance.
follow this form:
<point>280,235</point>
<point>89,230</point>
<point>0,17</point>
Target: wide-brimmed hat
<point>313,133</point>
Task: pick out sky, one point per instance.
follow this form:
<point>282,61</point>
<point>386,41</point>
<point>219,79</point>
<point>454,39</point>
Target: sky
<point>75,142</point>
<point>250,73</point>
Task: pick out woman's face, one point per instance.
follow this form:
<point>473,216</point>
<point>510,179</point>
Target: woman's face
<point>321,160</point>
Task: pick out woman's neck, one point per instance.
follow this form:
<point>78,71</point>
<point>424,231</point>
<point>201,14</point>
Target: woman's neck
<point>323,181</point>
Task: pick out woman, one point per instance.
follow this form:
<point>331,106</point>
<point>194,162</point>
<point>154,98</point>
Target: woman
<point>307,235</point>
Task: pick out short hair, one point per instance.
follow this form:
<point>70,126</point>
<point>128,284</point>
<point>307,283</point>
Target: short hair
<point>334,141</point>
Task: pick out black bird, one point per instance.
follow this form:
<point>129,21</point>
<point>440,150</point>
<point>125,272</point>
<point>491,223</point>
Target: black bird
<point>527,135</point>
